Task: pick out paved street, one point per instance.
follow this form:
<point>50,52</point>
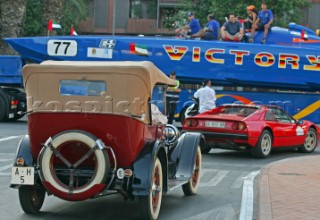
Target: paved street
<point>219,197</point>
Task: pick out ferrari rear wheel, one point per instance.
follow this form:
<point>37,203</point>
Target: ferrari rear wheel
<point>191,187</point>
<point>31,199</point>
<point>310,143</point>
<point>150,204</point>
<point>264,145</point>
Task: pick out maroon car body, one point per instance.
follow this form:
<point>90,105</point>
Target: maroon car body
<point>94,129</point>
<point>259,128</point>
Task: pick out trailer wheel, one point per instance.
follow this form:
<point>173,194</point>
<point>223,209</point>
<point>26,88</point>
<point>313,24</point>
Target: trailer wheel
<point>31,199</point>
<point>3,108</point>
<point>150,204</point>
<point>191,187</point>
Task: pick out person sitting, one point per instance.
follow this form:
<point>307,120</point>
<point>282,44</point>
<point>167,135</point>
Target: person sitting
<point>251,19</point>
<point>210,31</point>
<point>263,22</point>
<point>193,26</point>
<point>232,30</point>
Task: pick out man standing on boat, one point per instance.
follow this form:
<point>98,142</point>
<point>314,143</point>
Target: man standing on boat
<point>193,26</point>
<point>172,98</point>
<point>263,22</point>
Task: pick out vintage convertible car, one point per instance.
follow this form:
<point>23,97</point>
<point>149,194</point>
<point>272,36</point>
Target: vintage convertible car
<point>259,128</point>
<point>92,132</point>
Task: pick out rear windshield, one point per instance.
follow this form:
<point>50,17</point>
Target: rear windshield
<point>238,110</point>
<point>82,88</point>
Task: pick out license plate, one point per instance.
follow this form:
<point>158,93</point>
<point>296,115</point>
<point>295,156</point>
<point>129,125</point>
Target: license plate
<point>22,175</point>
<point>215,124</point>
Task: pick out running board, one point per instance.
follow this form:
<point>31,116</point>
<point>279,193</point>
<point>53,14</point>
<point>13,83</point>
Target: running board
<point>172,184</point>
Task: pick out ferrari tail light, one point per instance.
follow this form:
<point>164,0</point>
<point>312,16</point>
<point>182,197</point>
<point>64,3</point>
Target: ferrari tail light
<point>188,122</point>
<point>242,126</point>
<point>194,122</point>
<point>238,125</point>
<point>191,122</point>
<point>235,126</point>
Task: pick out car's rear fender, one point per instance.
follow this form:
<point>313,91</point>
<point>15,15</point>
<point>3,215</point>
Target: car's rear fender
<point>253,140</point>
<point>184,154</point>
<point>24,151</point>
<point>142,167</point>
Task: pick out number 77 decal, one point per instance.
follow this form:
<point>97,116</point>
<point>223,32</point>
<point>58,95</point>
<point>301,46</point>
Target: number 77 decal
<point>62,48</point>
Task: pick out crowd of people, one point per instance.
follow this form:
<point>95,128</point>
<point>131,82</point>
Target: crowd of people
<point>233,29</point>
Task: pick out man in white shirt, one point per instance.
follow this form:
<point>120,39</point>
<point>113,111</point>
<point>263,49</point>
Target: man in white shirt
<point>206,96</point>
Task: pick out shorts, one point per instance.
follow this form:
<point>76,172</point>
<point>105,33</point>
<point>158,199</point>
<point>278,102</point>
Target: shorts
<point>261,27</point>
<point>208,36</point>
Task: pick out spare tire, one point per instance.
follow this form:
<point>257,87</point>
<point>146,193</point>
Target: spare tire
<point>73,163</point>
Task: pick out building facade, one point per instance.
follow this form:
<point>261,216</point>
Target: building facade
<point>137,17</point>
<point>147,16</point>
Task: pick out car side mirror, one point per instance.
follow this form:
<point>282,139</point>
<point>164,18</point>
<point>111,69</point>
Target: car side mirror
<point>300,122</point>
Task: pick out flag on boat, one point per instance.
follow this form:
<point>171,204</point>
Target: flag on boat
<point>302,34</point>
<point>139,49</point>
<point>53,25</point>
<point>73,32</point>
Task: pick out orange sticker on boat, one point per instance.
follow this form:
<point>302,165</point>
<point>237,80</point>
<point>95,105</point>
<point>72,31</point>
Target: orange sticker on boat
<point>209,55</point>
<point>196,54</point>
<point>264,59</point>
<point>315,63</point>
<point>239,55</point>
<point>289,59</point>
<point>176,52</point>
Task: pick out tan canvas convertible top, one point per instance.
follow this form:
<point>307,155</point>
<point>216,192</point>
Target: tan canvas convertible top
<point>128,86</point>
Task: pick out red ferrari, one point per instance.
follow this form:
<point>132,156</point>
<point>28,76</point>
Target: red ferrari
<point>259,128</point>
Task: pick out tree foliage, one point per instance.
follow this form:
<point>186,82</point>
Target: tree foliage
<point>75,11</point>
<point>284,11</point>
<point>36,21</point>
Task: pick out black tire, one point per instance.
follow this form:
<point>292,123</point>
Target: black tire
<point>192,186</point>
<point>31,199</point>
<point>310,143</point>
<point>3,109</point>
<point>264,145</point>
<point>150,204</point>
<point>205,149</point>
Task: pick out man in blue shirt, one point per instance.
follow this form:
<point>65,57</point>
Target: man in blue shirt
<point>210,31</point>
<point>193,26</point>
<point>263,22</point>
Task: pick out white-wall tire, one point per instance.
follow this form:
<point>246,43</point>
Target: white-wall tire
<point>191,187</point>
<point>150,205</point>
<point>102,165</point>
